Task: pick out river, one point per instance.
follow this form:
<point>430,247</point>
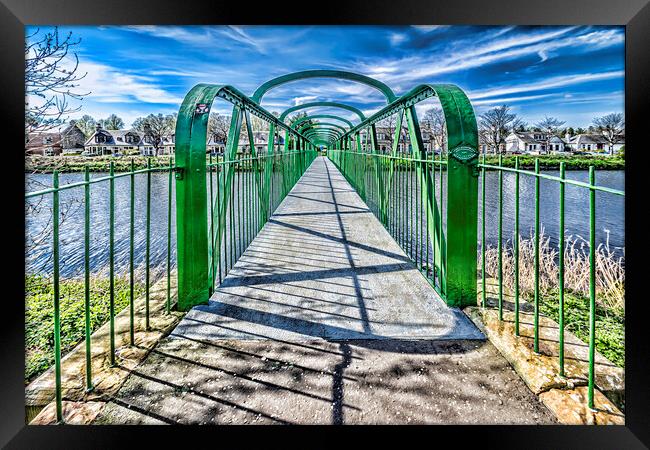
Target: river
<point>609,214</point>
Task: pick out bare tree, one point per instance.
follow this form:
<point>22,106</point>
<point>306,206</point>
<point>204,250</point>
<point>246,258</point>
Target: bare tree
<point>612,127</point>
<point>433,123</point>
<point>218,126</point>
<point>390,124</point>
<point>549,127</point>
<point>112,122</point>
<point>496,124</point>
<point>155,127</point>
<point>50,80</point>
<point>87,124</point>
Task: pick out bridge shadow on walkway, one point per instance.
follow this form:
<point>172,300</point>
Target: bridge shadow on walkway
<point>324,320</point>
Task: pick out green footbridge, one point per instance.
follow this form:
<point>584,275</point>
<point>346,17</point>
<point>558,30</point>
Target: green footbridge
<point>450,230</point>
<point>314,230</point>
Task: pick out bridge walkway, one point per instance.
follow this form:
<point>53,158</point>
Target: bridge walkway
<point>324,319</point>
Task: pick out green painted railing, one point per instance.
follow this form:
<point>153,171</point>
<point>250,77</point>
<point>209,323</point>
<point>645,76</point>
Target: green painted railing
<point>216,223</point>
<point>87,184</point>
<point>238,214</point>
<point>592,188</point>
<point>433,217</point>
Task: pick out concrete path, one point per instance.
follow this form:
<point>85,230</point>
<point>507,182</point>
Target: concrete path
<point>324,320</point>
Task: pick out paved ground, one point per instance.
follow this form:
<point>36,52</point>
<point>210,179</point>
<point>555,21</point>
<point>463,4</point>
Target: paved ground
<point>324,320</point>
<point>320,382</point>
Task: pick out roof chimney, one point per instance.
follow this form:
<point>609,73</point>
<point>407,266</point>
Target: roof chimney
<point>567,136</point>
<point>98,126</point>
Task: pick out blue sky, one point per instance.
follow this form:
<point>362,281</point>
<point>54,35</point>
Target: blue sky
<point>574,73</point>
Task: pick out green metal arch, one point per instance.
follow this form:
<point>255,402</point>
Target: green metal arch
<point>339,105</point>
<point>321,116</point>
<point>462,130</point>
<point>328,137</point>
<point>311,131</point>
<point>313,125</point>
<point>191,195</point>
<point>338,74</point>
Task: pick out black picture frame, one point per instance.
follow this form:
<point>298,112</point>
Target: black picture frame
<point>634,14</point>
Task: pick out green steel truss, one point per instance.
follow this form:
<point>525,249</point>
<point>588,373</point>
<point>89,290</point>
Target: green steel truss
<point>454,248</point>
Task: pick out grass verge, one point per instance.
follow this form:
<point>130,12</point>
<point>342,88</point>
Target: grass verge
<point>39,315</point>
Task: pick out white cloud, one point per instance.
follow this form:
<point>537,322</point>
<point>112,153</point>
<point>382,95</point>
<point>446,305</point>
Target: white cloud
<point>410,70</point>
<point>429,28</point>
<point>508,100</point>
<point>300,100</point>
<point>397,38</point>
<point>107,84</point>
<point>549,83</point>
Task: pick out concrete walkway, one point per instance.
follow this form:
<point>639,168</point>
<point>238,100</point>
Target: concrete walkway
<point>324,320</point>
<point>324,267</point>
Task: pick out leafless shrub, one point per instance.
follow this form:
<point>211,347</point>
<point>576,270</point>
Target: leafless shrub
<point>610,269</point>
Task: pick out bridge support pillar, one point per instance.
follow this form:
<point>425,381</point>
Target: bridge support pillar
<point>462,215</point>
<point>191,200</point>
<point>462,197</point>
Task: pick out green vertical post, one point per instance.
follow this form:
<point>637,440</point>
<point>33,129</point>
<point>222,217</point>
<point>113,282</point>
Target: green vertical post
<point>561,270</point>
<point>483,297</point>
<point>500,239</point>
<point>191,197</point>
<point>147,268</point>
<point>536,243</point>
<point>111,255</point>
<point>89,377</point>
<point>57,298</point>
<point>592,286</point>
<point>131,254</point>
<point>462,197</point>
<point>516,247</point>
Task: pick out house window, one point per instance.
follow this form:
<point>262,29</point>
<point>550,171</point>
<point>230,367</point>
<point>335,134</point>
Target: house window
<point>47,140</point>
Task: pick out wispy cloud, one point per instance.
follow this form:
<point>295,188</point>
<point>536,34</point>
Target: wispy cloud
<point>549,83</point>
<point>419,68</point>
<point>557,71</point>
<point>106,84</point>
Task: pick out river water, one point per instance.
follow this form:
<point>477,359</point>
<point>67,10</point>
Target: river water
<point>609,214</point>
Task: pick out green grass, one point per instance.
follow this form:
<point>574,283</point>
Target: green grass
<point>39,315</point>
<point>552,162</point>
<point>610,324</point>
<point>46,164</point>
<point>67,164</point>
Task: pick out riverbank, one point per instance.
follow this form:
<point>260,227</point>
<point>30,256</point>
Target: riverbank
<point>39,315</point>
<point>552,162</point>
<point>65,164</point>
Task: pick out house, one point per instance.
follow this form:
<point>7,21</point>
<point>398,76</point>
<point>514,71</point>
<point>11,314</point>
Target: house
<point>168,144</point>
<point>533,142</point>
<point>593,142</point>
<point>69,141</point>
<point>217,143</point>
<point>111,142</point>
<point>386,135</point>
<point>127,142</point>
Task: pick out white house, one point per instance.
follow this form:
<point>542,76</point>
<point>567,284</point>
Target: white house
<point>125,142</point>
<point>593,143</point>
<point>533,142</point>
<point>110,142</point>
